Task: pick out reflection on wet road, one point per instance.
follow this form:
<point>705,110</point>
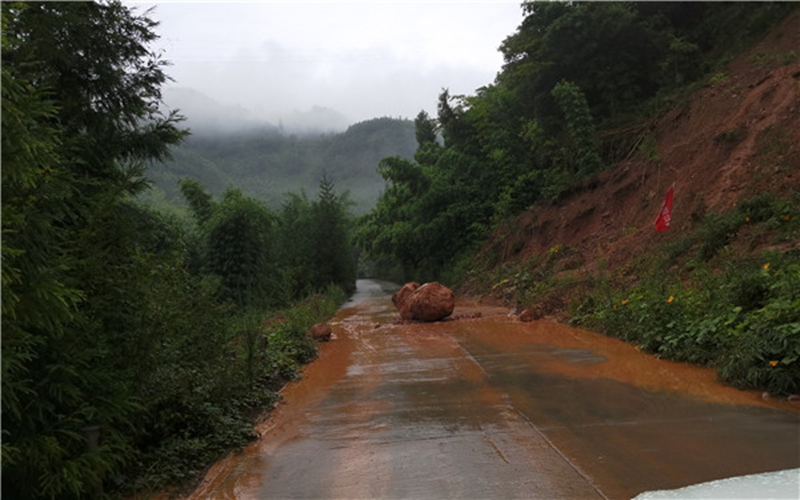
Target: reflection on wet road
<point>492,408</point>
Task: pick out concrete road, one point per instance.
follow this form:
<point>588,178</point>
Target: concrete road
<point>487,407</point>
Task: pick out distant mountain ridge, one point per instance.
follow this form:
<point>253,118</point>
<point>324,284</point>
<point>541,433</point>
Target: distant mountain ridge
<point>265,163</point>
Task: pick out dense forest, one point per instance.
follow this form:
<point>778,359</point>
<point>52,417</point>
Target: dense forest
<point>138,345</point>
<point>266,163</point>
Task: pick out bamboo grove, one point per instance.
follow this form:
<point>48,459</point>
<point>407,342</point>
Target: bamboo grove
<point>136,346</point>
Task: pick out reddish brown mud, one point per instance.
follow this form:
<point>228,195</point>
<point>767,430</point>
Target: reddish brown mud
<point>493,408</point>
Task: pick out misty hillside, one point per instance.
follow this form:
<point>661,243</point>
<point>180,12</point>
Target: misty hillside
<point>265,163</point>
<point>206,116</point>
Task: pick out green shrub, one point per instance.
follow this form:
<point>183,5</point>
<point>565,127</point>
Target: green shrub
<point>759,208</point>
<point>204,389</point>
<point>289,345</point>
<point>750,331</point>
<point>764,349</point>
<point>748,290</point>
<point>717,232</point>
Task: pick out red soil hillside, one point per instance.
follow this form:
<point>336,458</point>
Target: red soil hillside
<point>736,137</point>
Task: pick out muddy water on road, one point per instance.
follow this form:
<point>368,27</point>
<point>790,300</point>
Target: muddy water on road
<point>491,408</point>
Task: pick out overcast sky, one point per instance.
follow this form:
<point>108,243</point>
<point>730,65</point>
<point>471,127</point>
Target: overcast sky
<point>364,59</point>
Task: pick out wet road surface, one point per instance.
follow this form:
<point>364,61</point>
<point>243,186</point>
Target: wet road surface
<point>487,407</point>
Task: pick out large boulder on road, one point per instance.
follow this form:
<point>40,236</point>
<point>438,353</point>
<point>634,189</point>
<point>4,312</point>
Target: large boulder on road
<point>400,297</point>
<point>429,302</point>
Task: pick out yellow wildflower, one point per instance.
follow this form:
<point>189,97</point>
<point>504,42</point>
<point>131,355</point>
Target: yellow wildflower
<point>773,363</point>
<point>671,299</point>
<point>624,302</point>
<point>766,266</point>
<point>747,219</point>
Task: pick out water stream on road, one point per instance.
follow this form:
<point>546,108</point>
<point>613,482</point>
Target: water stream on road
<point>483,406</point>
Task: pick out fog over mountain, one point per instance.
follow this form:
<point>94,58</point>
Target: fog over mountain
<point>207,116</point>
<point>318,119</point>
<point>304,64</point>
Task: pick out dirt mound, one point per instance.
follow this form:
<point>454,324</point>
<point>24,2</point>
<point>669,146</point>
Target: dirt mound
<point>736,137</point>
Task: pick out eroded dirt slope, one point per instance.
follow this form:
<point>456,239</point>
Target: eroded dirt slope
<point>736,137</point>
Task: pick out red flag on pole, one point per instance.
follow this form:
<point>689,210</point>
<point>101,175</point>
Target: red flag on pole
<point>665,215</point>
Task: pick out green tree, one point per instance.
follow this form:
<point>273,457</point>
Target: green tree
<point>456,130</point>
<point>39,299</point>
<point>424,129</point>
<point>583,155</point>
<point>430,211</point>
<point>606,48</point>
<point>334,257</point>
<point>296,243</point>
<point>240,249</point>
<point>388,230</point>
<point>80,118</point>
<point>200,200</point>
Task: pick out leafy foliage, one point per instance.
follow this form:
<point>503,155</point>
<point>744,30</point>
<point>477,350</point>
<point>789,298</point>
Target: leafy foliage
<point>333,257</point>
<point>239,249</point>
<point>133,345</point>
<point>742,320</point>
<point>80,95</point>
<point>424,129</point>
<point>428,212</point>
<point>585,159</point>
